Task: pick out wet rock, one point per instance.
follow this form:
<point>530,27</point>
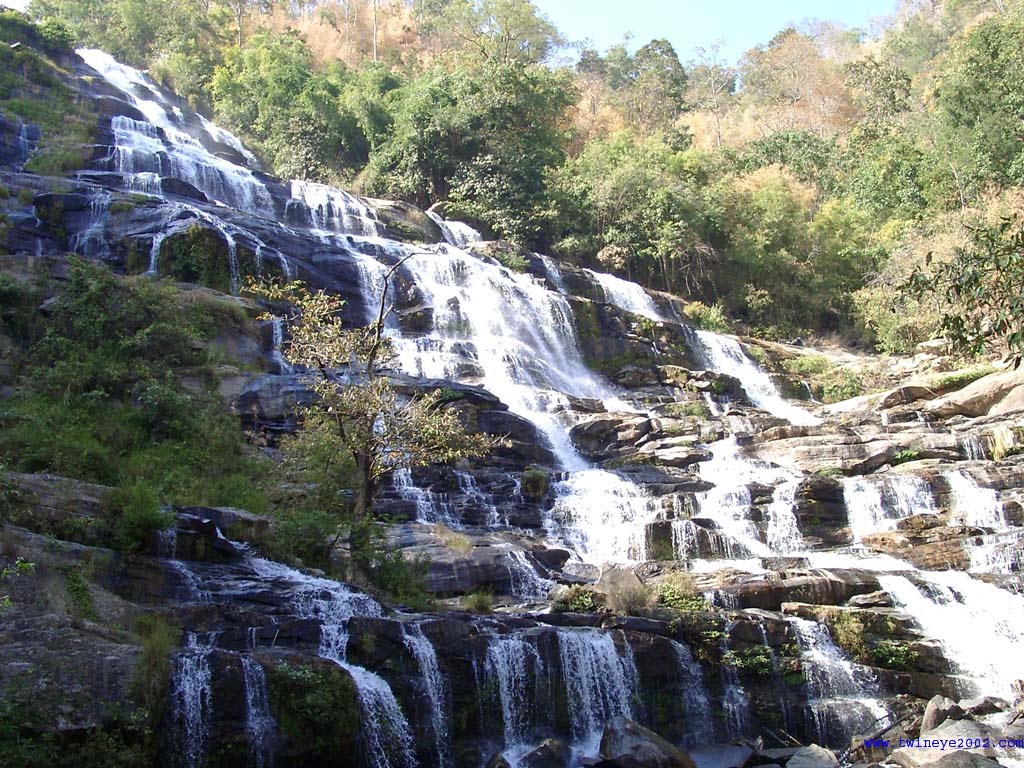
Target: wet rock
<point>821,587</point>
<point>880,599</point>
<point>978,397</point>
<point>983,706</point>
<point>626,744</point>
<point>813,756</point>
<point>939,710</point>
<point>724,756</point>
<point>551,753</point>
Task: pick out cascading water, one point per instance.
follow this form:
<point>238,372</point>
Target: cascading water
<point>386,736</point>
<point>430,507</point>
<point>259,722</point>
<point>873,506</point>
<point>735,701</point>
<point>434,684</point>
<point>626,295</point>
<point>164,146</point>
<point>843,697</point>
<point>92,242</point>
<point>526,582</point>
<point>192,701</point>
<point>783,533</point>
<point>725,355</point>
<point>599,682</point>
<point>336,210</point>
<point>980,626</point>
<point>516,666</point>
<point>695,697</point>
<point>974,505</point>
<point>455,233</point>
<point>277,354</point>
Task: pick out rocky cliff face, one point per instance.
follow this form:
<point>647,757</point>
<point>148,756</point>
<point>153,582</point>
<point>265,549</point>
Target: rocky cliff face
<point>793,570</point>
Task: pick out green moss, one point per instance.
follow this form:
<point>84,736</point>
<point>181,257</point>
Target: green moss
<point>534,484</point>
<point>959,379</point>
<point>317,709</point>
<point>893,654</point>
<point>197,255</point>
<point>695,409</point>
<point>152,674</point>
<point>80,600</point>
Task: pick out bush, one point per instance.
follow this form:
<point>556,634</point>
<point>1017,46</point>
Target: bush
<point>80,603</point>
<point>577,599</point>
<point>152,674</point>
<point>679,592</point>
<point>755,661</point>
<point>842,385</point>
<point>135,515</point>
<point>316,707</point>
<point>807,365</point>
<point>958,379</point>
<point>632,601</point>
<point>905,455</point>
<point>892,654</point>
<point>711,318</point>
<point>481,601</point>
<point>534,484</point>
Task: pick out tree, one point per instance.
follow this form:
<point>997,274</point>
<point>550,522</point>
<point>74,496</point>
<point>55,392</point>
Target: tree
<point>356,404</point>
<point>981,287</point>
<point>501,31</point>
<point>712,84</point>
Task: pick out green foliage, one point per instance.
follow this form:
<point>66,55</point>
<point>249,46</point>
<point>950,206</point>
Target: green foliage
<point>151,677</point>
<point>534,484</point>
<point>199,255</point>
<point>134,514</point>
<point>755,661</point>
<point>481,601</point>
<point>904,455</point>
<point>842,385</point>
<point>19,568</point>
<point>79,597</point>
<point>711,318</point>
<point>962,378</point>
<point>576,599</point>
<point>315,707</point>
<point>807,365</point>
<point>103,402</point>
<point>849,631</point>
<point>696,409</point>
<point>981,288</point>
<point>681,594</point>
<point>893,654</point>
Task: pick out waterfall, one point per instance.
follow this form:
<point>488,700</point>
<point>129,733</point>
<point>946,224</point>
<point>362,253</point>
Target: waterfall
<point>553,272</point>
<point>277,355</point>
<point>998,553</point>
<point>91,242</point>
<point>843,697</point>
<point>725,355</point>
<point>975,506</point>
<point>603,517</point>
<point>336,210</point>
<point>385,732</point>
<point>516,667</point>
<point>468,486</point>
<point>695,697</point>
<point>430,507</point>
<point>626,295</point>
<point>164,146</point>
<point>875,506</point>
<point>728,502</point>
<point>24,145</point>
<point>526,582</point>
<point>783,534</point>
<point>455,233</point>
<point>735,701</point>
<point>980,626</point>
<point>434,684</point>
<point>975,447</point>
<point>600,683</point>
<point>259,722</point>
<point>192,701</point>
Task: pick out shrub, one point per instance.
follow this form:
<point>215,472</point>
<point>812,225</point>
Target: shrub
<point>633,601</point>
<point>893,654</point>
<point>962,378</point>
<point>135,515</point>
<point>316,707</point>
<point>842,385</point>
<point>679,592</point>
<point>576,599</point>
<point>905,455</point>
<point>711,318</point>
<point>80,602</point>
<point>481,601</point>
<point>534,484</point>
<point>755,661</point>
<point>807,365</point>
<point>152,674</point>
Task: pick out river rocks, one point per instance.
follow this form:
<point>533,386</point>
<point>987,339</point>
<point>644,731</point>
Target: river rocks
<point>949,731</point>
<point>939,710</point>
<point>821,587</point>
<point>626,744</point>
<point>979,397</point>
<point>813,756</point>
<point>551,753</point>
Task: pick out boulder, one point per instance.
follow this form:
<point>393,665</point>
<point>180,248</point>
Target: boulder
<point>813,756</point>
<point>551,753</point>
<point>951,730</point>
<point>626,744</point>
<point>617,579</point>
<point>983,705</point>
<point>977,398</point>
<point>939,710</point>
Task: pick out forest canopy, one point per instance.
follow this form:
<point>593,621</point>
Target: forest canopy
<point>798,188</point>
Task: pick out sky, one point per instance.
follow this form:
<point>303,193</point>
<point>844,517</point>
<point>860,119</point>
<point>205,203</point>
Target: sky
<point>739,24</point>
